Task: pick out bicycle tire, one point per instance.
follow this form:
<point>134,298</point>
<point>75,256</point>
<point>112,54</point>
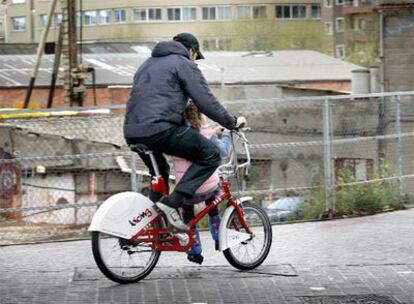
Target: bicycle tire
<point>97,237</point>
<point>229,253</point>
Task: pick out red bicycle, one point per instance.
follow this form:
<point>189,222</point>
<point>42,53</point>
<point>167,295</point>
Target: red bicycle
<point>129,233</point>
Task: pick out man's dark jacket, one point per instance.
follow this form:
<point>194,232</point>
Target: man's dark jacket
<point>162,86</point>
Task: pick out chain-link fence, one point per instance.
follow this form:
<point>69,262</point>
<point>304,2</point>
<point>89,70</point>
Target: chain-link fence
<point>311,157</point>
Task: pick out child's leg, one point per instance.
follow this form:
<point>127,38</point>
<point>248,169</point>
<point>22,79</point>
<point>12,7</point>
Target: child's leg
<point>194,254</point>
<point>214,222</point>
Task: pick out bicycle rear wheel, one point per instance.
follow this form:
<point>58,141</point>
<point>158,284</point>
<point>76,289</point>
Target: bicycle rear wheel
<point>249,254</point>
<point>121,260</point>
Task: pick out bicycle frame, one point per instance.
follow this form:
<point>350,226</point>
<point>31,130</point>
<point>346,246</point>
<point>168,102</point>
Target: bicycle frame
<point>160,239</point>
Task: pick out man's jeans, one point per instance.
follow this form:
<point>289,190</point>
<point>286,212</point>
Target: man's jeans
<point>186,143</point>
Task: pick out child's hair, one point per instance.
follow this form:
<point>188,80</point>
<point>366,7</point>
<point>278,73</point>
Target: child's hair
<point>193,116</point>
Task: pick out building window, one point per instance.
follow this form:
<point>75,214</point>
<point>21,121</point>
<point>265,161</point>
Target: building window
<point>147,14</point>
<point>174,14</point>
<point>181,14</point>
<point>340,51</point>
<point>328,3</point>
<point>104,16</point>
<point>57,20</point>
<point>217,13</point>
<point>89,18</point>
<point>340,24</point>
<point>43,20</point>
<point>19,23</point>
<point>298,11</point>
<point>290,11</point>
<point>119,15</point>
<point>339,2</point>
<point>259,12</point>
<point>140,14</point>
<point>189,13</point>
<point>209,13</point>
<point>78,18</point>
<point>244,12</point>
<point>154,14</point>
<point>224,12</point>
<point>251,12</point>
<point>283,12</point>
<point>328,28</point>
<point>316,11</point>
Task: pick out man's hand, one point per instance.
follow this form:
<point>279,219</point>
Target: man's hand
<point>241,122</point>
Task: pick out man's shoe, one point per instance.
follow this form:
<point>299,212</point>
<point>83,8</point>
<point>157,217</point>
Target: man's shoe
<point>173,217</point>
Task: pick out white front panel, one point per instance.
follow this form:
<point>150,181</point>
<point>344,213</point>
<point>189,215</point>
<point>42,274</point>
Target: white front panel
<point>235,237</point>
<point>225,240</point>
<point>124,214</point>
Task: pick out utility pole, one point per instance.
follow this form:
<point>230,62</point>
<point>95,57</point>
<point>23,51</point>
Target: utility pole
<point>74,74</point>
<point>69,49</point>
<point>39,54</point>
<point>56,64</point>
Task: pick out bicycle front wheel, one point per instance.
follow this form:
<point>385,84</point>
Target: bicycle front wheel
<point>121,260</point>
<point>251,253</point>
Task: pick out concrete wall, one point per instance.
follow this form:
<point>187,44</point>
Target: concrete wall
<point>398,50</point>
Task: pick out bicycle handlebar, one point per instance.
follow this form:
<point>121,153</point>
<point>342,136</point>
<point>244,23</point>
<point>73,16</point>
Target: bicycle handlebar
<point>232,164</point>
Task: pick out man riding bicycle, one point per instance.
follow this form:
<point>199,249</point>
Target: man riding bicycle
<point>154,117</point>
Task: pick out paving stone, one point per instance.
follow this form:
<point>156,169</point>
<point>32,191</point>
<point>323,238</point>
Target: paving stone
<point>307,262</point>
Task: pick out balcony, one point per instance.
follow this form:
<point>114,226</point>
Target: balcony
<point>358,6</point>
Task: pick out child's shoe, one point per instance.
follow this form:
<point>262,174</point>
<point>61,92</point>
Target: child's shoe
<point>214,224</point>
<point>194,254</point>
<point>198,259</point>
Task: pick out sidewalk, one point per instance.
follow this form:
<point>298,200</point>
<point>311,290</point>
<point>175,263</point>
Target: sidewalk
<point>360,260</point>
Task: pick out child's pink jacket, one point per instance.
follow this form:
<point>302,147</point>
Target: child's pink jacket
<point>181,165</point>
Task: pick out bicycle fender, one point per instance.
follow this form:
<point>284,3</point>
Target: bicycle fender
<point>228,237</point>
<point>124,214</point>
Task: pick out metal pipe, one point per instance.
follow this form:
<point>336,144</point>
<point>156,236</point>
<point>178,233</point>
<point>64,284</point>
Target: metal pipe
<point>94,86</point>
<point>81,30</point>
<point>134,186</point>
<point>40,51</point>
<point>399,145</point>
<point>327,158</point>
<point>381,50</point>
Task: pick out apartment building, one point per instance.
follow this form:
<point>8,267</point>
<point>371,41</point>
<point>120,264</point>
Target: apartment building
<point>2,15</point>
<point>220,24</point>
<point>354,28</point>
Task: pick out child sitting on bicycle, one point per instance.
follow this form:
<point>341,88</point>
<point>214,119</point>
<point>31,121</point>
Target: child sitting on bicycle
<point>210,189</point>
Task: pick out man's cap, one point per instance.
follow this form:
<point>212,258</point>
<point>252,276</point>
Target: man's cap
<point>189,41</point>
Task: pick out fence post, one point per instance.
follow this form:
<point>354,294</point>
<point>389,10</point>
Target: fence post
<point>134,186</point>
<point>327,155</point>
<point>399,145</point>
